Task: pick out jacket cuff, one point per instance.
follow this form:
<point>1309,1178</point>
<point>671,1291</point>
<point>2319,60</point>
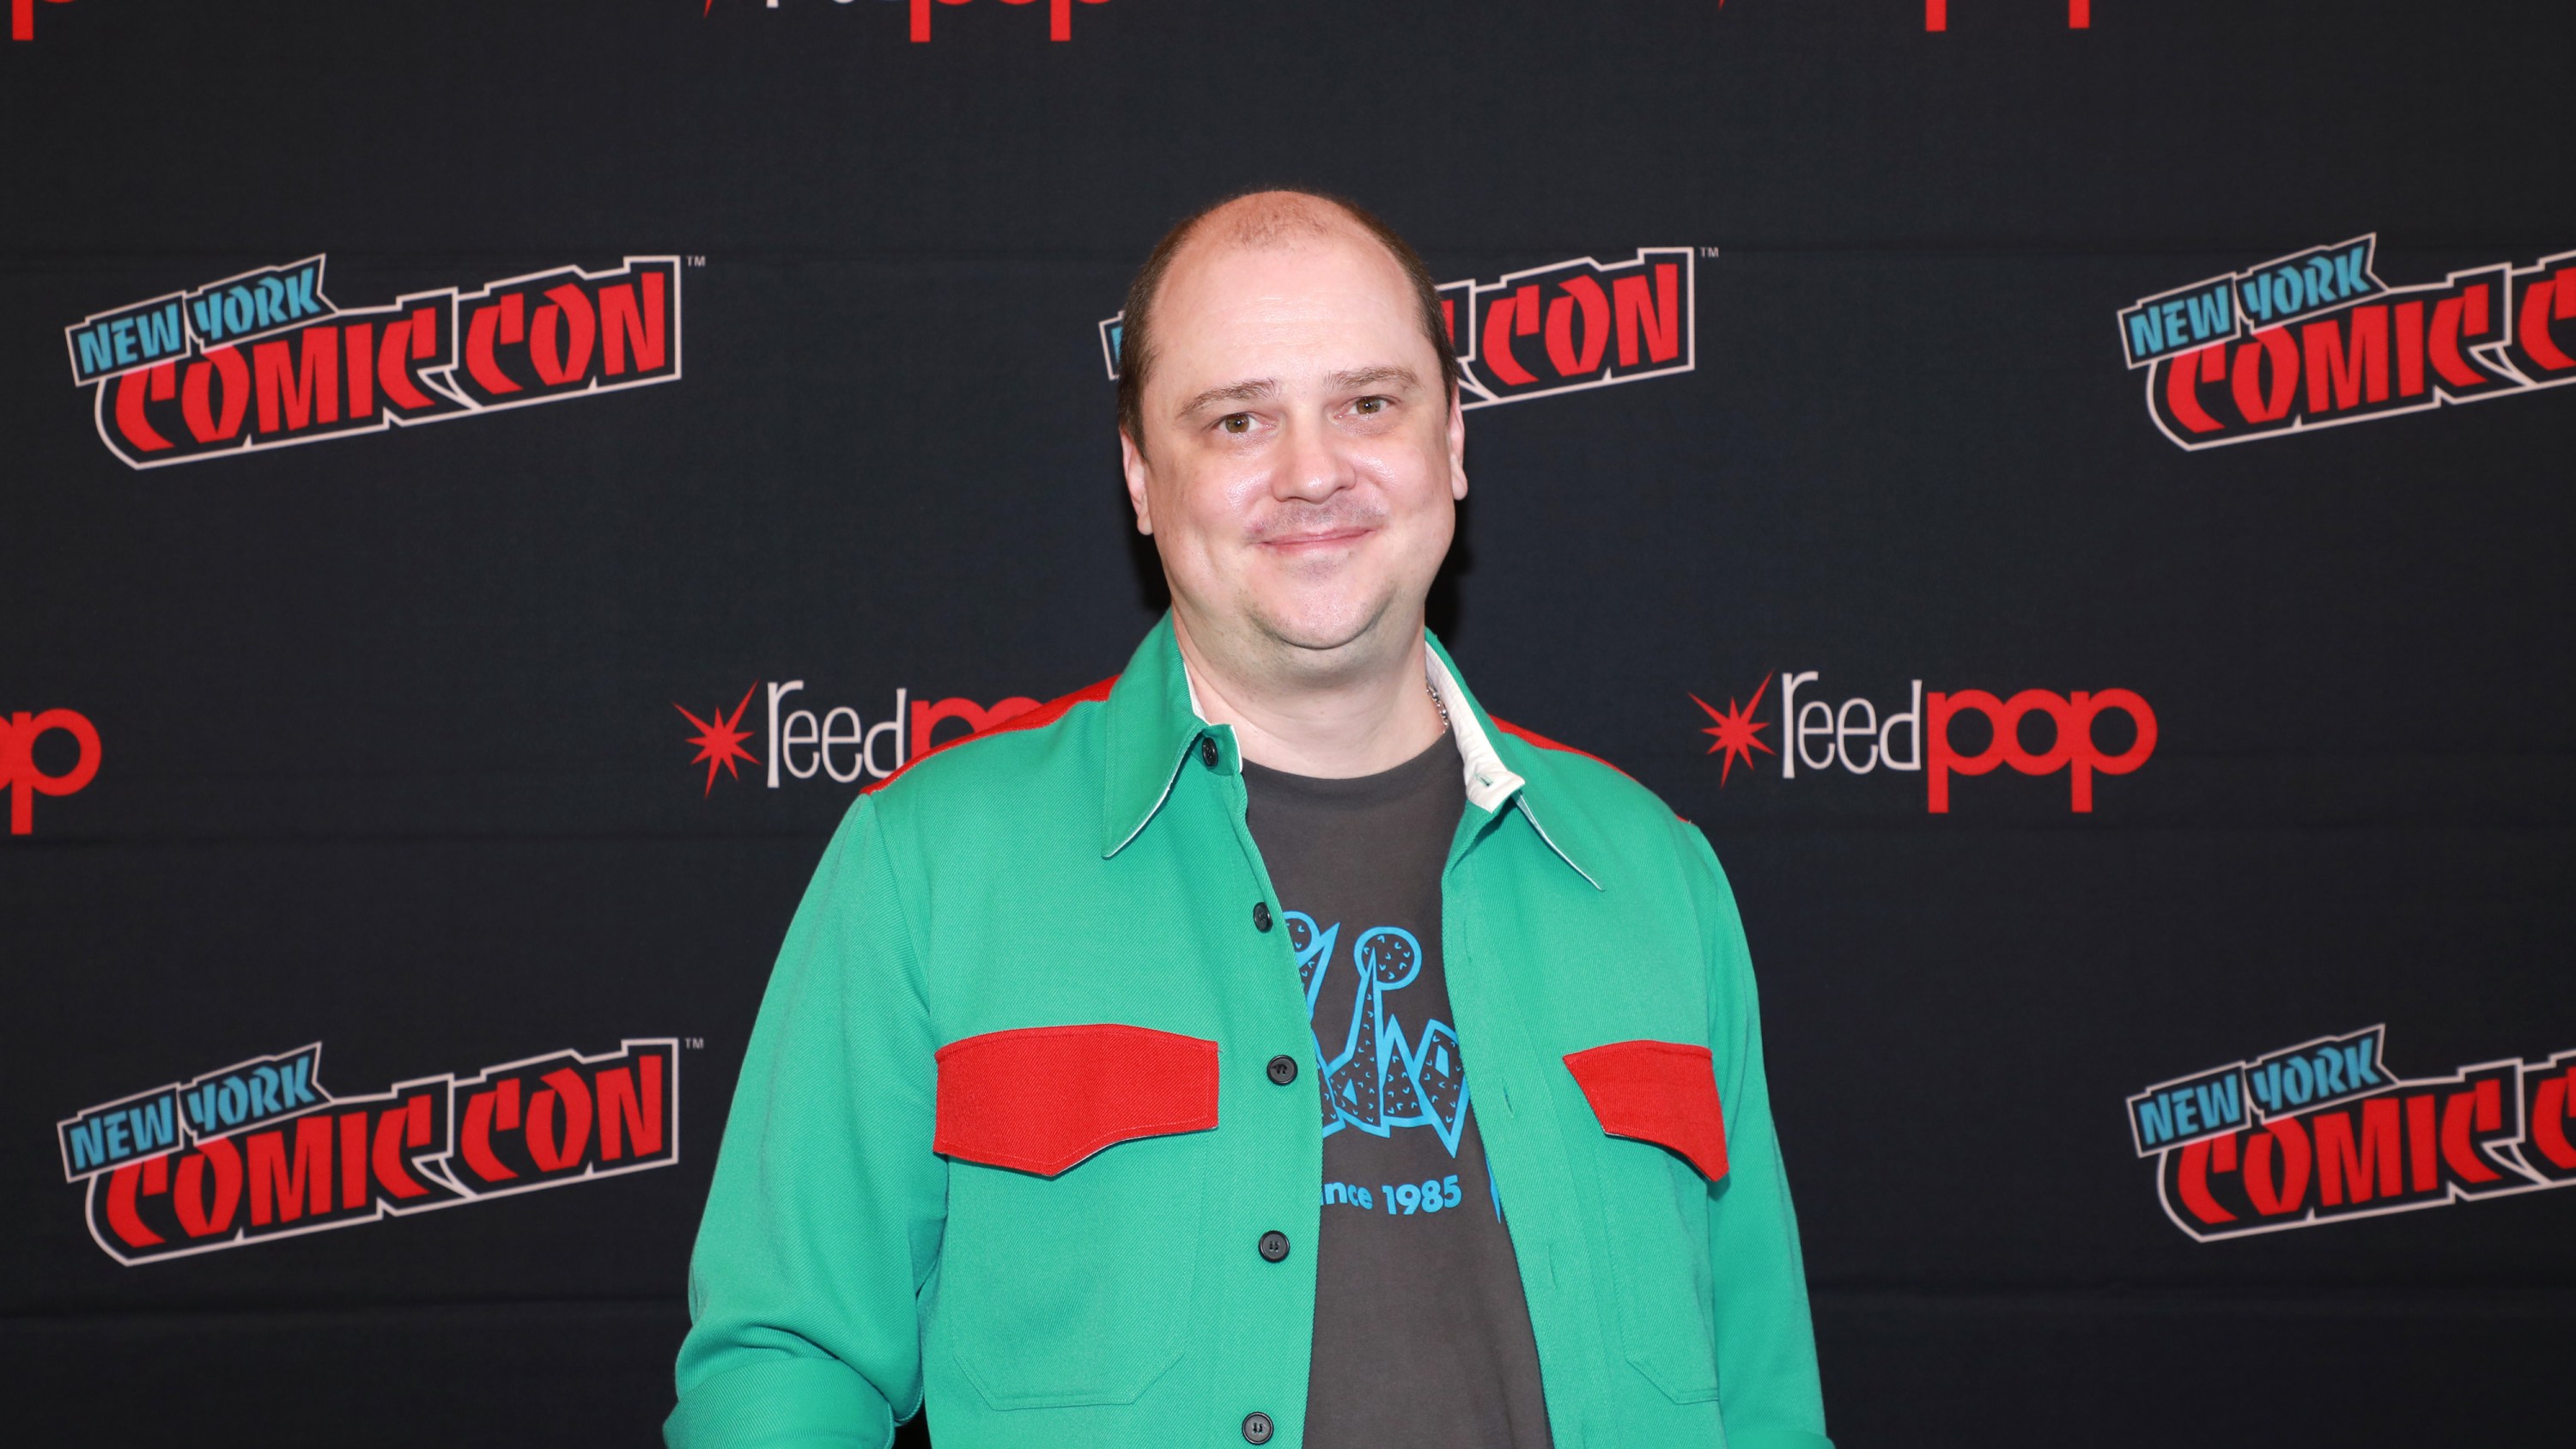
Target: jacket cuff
<point>1775,1439</point>
<point>782,1403</point>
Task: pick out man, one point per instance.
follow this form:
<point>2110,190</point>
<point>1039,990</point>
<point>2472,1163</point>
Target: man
<point>1113,1085</point>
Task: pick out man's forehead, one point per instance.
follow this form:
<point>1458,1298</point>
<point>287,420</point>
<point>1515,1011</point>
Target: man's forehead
<point>1232,295</point>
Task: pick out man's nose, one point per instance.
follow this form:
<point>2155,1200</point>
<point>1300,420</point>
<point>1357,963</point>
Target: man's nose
<point>1313,467</point>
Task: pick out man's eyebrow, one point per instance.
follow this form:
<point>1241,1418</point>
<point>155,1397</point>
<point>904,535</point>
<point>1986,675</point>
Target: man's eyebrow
<point>1244,391</point>
<point>1371,377</point>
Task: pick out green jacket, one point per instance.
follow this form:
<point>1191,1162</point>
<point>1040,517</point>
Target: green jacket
<point>1050,1234</point>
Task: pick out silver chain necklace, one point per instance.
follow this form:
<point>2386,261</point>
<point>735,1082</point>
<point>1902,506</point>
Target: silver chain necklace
<point>1435,701</point>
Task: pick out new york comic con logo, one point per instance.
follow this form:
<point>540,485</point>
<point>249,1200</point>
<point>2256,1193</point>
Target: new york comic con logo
<point>2324,1131</point>
<point>265,359</point>
<point>1555,329</point>
<point>258,1150</point>
<point>2315,339</point>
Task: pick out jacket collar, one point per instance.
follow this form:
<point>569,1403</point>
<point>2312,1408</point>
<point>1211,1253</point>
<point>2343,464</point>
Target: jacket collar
<point>1154,723</point>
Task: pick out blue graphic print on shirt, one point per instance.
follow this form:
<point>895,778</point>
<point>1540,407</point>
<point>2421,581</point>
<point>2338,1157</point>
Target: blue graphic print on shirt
<point>1379,1079</point>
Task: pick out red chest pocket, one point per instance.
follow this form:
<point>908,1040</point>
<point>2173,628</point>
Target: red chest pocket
<point>1660,1092</point>
<point>1042,1098</point>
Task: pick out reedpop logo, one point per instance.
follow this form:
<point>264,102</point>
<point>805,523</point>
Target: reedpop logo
<point>837,741</point>
<point>1860,738</point>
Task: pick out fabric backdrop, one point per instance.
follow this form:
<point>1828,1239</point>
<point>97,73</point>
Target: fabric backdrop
<point>523,468</point>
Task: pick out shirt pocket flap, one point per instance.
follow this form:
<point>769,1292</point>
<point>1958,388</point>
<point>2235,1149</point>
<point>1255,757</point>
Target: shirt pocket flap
<point>1660,1092</point>
<point>1040,1099</point>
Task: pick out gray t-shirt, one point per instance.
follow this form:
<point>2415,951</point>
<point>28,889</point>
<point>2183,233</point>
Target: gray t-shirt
<point>1422,1336</point>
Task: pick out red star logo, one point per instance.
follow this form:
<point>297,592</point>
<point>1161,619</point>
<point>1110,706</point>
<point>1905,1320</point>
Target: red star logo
<point>1738,732</point>
<point>720,743</point>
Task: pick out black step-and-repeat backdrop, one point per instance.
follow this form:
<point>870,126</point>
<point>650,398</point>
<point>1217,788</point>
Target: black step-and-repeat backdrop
<point>2072,497</point>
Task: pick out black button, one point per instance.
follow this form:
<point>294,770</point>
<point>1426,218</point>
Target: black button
<point>1261,915</point>
<point>1283,1069</point>
<point>1207,751</point>
<point>1256,1428</point>
<point>1274,1245</point>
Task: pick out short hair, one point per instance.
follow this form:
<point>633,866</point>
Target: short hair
<point>1296,213</point>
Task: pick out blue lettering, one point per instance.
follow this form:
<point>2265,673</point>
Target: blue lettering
<point>237,310</point>
<point>161,331</point>
<point>2155,1123</point>
<point>2329,1072</point>
<point>2180,1097</point>
<point>2358,1064</point>
<point>95,354</point>
<point>2146,333</point>
<point>209,312</point>
<point>300,289</point>
<point>295,1083</point>
<point>232,1101</point>
<point>152,1124</point>
<point>2253,300</point>
<point>199,1104</point>
<point>2209,316</point>
<point>117,1145</point>
<point>88,1150</point>
<point>2218,1103</point>
<point>263,1091</point>
<point>2321,281</point>
<point>2298,1081</point>
<point>122,331</point>
<point>2177,316</point>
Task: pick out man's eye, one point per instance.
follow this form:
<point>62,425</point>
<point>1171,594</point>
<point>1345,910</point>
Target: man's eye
<point>1370,405</point>
<point>1236,423</point>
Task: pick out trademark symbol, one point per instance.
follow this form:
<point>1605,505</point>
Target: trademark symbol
<point>697,259</point>
<point>694,1043</point>
<point>1708,251</point>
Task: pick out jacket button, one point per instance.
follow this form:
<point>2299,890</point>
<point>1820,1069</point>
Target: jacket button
<point>1256,1428</point>
<point>1261,915</point>
<point>1274,1245</point>
<point>1283,1069</point>
<point>1207,751</point>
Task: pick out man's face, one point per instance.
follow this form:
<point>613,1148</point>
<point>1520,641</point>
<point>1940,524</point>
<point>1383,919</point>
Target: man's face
<point>1302,461</point>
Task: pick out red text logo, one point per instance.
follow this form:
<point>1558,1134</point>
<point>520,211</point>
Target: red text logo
<point>23,779</point>
<point>1059,15</point>
<point>266,359</point>
<point>1560,328</point>
<point>1920,732</point>
<point>2316,339</point>
<point>2071,745</point>
<point>22,18</point>
<point>1936,14</point>
<point>263,1151</point>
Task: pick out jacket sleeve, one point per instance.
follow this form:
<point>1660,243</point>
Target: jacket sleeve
<point>827,1207</point>
<point>1766,1344</point>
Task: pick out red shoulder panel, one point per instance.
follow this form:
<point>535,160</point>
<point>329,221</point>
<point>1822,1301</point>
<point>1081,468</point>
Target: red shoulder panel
<point>1533,737</point>
<point>1038,718</point>
<point>1660,1092</point>
<point>1042,1098</point>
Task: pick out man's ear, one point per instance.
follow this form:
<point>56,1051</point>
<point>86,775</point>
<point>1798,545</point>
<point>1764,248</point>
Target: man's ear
<point>1457,448</point>
<point>1131,461</point>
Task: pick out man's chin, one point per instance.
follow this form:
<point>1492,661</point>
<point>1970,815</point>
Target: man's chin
<point>1325,638</point>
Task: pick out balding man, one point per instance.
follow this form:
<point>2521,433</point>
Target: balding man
<point>1114,1085</point>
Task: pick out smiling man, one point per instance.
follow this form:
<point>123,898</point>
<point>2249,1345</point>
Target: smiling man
<point>1266,1044</point>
